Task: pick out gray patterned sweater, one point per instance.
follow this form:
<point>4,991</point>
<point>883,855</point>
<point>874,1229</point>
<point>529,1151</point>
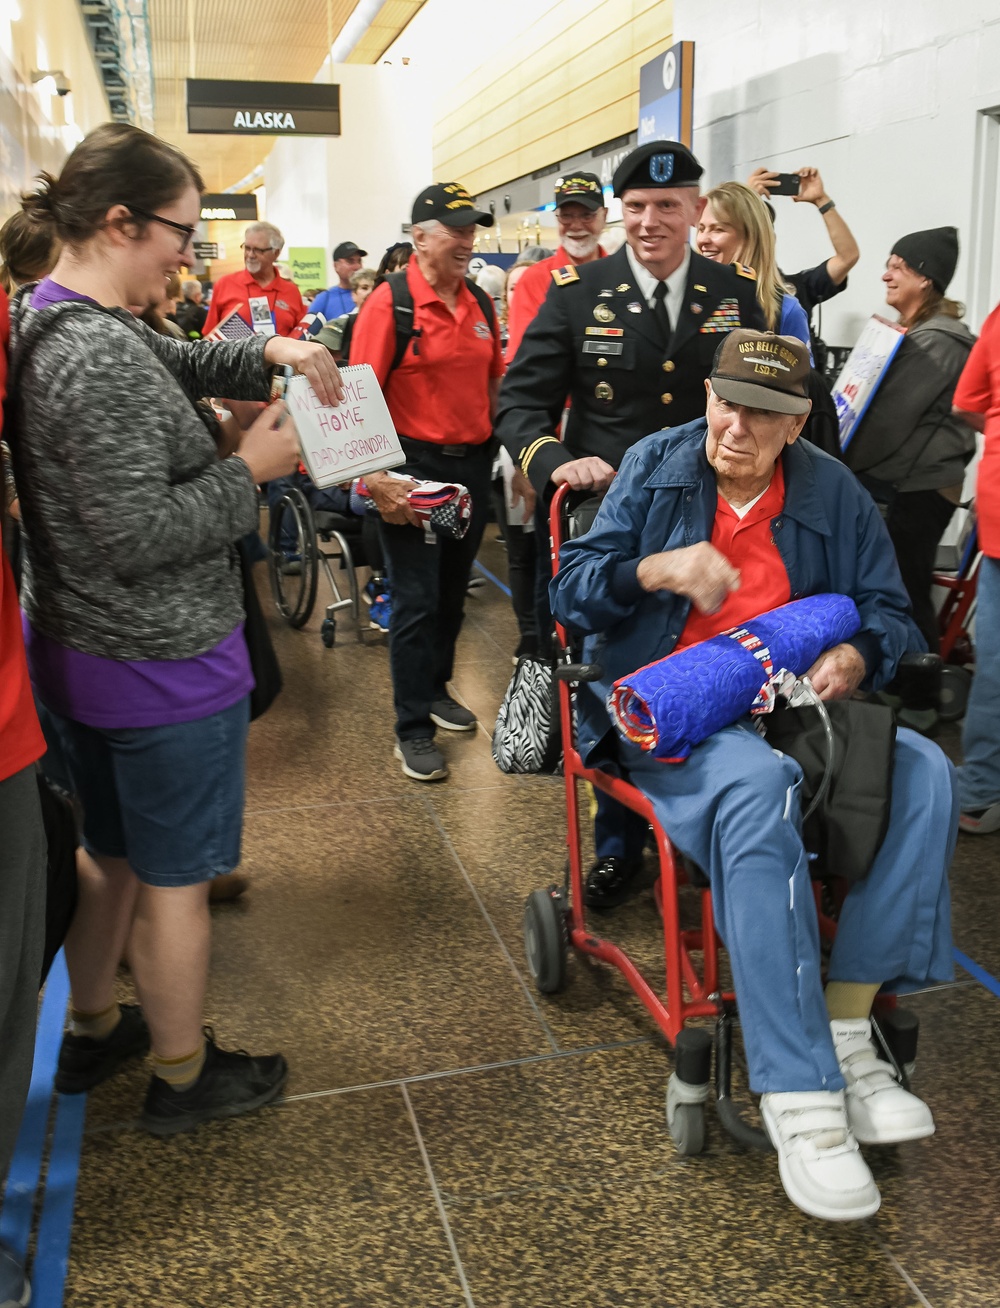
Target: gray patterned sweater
<point>129,514</point>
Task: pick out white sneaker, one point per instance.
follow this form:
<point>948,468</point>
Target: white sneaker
<point>819,1161</point>
<point>980,821</point>
<point>879,1109</point>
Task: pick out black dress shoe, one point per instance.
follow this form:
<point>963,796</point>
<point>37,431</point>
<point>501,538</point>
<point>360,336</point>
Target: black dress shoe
<point>609,883</point>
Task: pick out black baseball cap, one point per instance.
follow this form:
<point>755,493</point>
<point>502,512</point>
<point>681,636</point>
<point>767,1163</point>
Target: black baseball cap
<point>450,203</point>
<point>657,163</point>
<point>762,371</point>
<point>347,250</point>
<point>580,188</point>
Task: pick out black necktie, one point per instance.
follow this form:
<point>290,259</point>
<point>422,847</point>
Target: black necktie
<point>660,312</point>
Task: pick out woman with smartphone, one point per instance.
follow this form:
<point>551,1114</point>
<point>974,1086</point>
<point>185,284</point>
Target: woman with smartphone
<point>735,228</point>
<point>133,605</point>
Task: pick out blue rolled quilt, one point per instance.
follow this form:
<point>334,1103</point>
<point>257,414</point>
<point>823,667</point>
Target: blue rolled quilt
<point>669,706</point>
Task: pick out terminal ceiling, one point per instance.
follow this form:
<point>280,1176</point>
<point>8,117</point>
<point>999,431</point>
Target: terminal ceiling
<point>249,40</point>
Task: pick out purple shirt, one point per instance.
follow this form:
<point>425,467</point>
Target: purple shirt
<point>111,693</point>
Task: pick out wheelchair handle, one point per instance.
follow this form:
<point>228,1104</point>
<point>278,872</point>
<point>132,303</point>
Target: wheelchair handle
<point>579,672</point>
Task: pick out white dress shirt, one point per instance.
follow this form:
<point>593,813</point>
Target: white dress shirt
<point>646,284</point>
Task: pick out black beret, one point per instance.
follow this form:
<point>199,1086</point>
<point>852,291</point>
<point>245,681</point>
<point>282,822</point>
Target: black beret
<point>657,163</point>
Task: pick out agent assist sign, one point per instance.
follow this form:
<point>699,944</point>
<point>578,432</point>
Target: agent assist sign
<point>263,108</point>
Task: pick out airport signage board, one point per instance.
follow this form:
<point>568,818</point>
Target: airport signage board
<point>263,108</point>
<point>307,267</point>
<point>218,205</point>
<point>666,96</point>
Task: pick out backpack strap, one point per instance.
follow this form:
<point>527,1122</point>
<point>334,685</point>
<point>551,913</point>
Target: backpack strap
<point>402,312</point>
<point>404,317</point>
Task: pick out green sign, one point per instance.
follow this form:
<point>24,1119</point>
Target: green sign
<point>307,267</point>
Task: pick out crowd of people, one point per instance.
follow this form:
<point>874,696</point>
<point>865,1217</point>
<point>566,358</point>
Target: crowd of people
<point>678,377</point>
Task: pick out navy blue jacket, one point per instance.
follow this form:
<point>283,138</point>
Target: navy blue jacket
<point>829,535</point>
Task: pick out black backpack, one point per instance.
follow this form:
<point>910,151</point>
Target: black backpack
<point>402,312</point>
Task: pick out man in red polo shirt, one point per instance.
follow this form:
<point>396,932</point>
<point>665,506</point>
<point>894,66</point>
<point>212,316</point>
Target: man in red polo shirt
<point>441,398</point>
<point>269,303</point>
<point>580,218</point>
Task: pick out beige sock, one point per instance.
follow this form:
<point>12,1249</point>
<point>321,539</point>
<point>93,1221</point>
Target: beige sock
<point>180,1073</point>
<point>850,1000</point>
<point>96,1026</point>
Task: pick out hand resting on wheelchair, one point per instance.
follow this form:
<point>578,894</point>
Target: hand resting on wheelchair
<point>705,526</point>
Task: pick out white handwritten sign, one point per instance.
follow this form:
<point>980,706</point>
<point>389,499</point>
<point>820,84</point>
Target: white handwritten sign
<point>350,441</point>
<point>860,376</point>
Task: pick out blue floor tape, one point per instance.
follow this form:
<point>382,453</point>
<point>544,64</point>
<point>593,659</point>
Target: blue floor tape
<point>48,1273</point>
<point>26,1165</point>
<point>980,973</point>
<point>490,577</point>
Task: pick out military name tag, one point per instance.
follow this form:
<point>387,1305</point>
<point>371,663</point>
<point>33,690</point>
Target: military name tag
<point>603,347</point>
<point>602,391</point>
<point>603,314</point>
<point>604,331</point>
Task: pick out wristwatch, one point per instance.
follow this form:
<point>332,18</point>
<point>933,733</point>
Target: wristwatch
<point>825,208</point>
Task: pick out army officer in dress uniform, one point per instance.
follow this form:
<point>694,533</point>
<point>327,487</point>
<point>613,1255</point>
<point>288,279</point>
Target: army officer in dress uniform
<point>630,340</point>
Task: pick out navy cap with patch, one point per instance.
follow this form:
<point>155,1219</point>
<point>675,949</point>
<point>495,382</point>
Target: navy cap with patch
<point>580,188</point>
<point>657,164</point>
<point>450,203</point>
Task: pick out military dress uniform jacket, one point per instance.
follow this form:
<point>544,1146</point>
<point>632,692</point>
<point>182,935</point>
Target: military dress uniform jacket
<point>595,340</point>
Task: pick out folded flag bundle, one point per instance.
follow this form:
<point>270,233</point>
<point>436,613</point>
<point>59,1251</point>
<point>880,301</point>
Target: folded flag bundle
<point>669,706</point>
<point>444,506</point>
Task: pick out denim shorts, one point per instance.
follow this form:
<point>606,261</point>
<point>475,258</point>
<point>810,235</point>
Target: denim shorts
<point>169,799</point>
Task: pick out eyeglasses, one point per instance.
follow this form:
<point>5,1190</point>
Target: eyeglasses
<point>189,232</point>
<point>253,249</point>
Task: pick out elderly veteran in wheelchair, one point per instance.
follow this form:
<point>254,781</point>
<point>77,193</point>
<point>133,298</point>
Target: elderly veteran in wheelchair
<point>706,526</point>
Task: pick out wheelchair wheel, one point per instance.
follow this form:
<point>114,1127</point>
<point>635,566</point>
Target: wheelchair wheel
<point>293,560</point>
<point>956,683</point>
<point>545,940</point>
<point>687,1128</point>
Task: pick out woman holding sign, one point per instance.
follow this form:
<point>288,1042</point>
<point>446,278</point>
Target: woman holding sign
<point>133,604</point>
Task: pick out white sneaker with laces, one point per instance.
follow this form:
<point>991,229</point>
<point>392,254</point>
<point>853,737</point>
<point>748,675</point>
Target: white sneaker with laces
<point>880,1111</point>
<point>819,1161</point>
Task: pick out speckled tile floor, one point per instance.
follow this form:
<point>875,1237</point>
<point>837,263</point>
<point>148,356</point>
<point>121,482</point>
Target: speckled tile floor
<point>450,1138</point>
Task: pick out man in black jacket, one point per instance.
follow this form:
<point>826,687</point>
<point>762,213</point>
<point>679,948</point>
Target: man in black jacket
<point>630,340</point>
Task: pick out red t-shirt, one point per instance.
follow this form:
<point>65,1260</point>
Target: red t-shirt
<point>235,290</point>
<point>529,293</point>
<point>748,545</point>
<point>441,391</point>
<point>21,739</point>
<point>978,391</point>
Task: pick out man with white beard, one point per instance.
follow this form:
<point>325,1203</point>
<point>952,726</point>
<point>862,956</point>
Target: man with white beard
<point>580,218</point>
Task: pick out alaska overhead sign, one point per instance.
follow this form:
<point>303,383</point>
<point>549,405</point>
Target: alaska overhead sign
<point>263,108</point>
<point>220,204</point>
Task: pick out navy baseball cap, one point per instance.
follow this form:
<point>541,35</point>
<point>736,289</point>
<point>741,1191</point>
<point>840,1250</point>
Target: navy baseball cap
<point>450,203</point>
<point>580,188</point>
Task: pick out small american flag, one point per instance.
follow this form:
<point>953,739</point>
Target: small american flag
<point>231,328</point>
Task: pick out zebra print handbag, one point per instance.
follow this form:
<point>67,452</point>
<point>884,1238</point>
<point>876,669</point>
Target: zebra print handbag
<point>526,737</point>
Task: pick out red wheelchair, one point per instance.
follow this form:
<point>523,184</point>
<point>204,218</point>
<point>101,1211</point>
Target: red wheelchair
<point>555,922</point>
<point>954,617</point>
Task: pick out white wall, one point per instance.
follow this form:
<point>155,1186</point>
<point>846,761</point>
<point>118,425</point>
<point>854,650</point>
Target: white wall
<point>38,128</point>
<point>883,96</point>
<point>358,186</point>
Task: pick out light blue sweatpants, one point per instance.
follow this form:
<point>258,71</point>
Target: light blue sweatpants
<point>734,808</point>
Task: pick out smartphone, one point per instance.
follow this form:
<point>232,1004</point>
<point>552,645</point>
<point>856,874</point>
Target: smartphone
<point>280,377</point>
<point>788,184</point>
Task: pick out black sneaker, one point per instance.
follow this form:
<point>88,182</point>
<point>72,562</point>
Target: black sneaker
<point>451,715</point>
<point>231,1083</point>
<point>85,1062</point>
<point>609,883</point>
<point>421,759</point>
